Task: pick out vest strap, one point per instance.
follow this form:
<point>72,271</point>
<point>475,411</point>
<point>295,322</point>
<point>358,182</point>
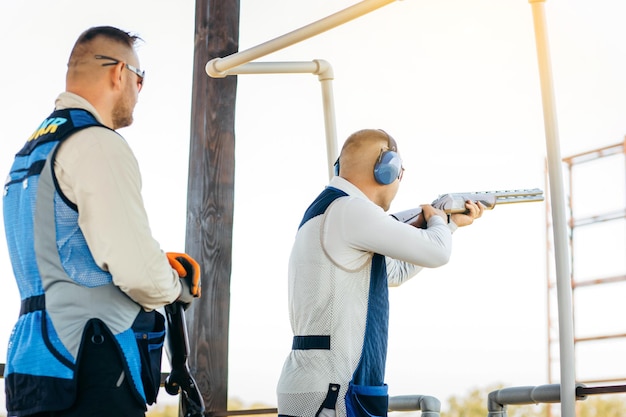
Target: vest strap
<point>311,342</point>
<point>330,401</point>
<point>32,304</point>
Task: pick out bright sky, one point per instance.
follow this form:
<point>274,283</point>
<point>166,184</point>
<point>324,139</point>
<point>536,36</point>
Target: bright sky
<point>455,82</point>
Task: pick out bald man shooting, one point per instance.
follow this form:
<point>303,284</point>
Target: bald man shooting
<point>346,254</point>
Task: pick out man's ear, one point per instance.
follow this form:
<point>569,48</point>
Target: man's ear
<point>115,75</point>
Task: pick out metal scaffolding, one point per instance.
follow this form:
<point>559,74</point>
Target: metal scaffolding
<point>596,201</point>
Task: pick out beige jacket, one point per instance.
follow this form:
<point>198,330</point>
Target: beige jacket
<point>97,171</point>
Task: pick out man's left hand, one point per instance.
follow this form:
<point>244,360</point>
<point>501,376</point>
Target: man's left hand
<point>473,212</point>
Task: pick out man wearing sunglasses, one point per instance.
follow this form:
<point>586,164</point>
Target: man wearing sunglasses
<point>348,250</point>
<point>88,340</point>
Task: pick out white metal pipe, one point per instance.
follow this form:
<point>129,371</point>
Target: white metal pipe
<point>559,221</point>
<point>326,77</point>
<point>218,65</point>
<point>325,74</point>
<point>221,67</point>
<point>296,67</point>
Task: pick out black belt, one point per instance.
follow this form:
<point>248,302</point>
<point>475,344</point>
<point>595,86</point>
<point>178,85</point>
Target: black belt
<point>311,342</point>
<point>34,303</point>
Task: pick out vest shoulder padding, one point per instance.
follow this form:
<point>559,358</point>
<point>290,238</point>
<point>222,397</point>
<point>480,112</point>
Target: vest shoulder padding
<point>58,126</point>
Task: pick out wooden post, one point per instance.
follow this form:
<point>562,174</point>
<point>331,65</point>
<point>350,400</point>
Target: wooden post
<point>210,197</point>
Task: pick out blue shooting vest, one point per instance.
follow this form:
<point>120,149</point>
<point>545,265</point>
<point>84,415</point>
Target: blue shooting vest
<point>61,287</point>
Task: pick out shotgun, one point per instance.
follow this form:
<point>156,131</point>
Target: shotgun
<point>455,202</point>
<point>180,379</point>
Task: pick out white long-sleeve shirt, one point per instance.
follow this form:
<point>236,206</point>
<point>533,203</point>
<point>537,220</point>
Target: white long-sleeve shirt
<point>330,271</point>
<point>97,171</point>
<point>355,227</point>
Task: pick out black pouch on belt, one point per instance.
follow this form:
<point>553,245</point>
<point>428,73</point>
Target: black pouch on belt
<point>149,328</point>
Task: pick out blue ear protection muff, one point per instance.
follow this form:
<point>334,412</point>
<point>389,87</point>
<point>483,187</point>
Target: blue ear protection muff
<point>388,167</point>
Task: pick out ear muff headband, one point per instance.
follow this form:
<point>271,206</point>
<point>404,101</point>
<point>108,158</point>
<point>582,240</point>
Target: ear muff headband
<point>388,166</point>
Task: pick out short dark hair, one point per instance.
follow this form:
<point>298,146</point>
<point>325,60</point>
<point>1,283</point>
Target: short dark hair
<point>109,32</point>
<point>82,46</point>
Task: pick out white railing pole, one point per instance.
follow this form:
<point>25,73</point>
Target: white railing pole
<point>318,67</point>
<point>218,65</point>
<point>221,67</point>
<point>559,221</point>
<point>330,123</point>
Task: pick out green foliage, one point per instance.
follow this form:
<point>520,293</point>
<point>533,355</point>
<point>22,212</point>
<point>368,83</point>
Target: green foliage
<point>612,405</point>
<point>171,410</point>
<point>474,404</point>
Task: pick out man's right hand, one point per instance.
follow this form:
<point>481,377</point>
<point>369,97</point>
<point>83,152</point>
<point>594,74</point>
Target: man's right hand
<point>189,272</point>
<point>429,211</point>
